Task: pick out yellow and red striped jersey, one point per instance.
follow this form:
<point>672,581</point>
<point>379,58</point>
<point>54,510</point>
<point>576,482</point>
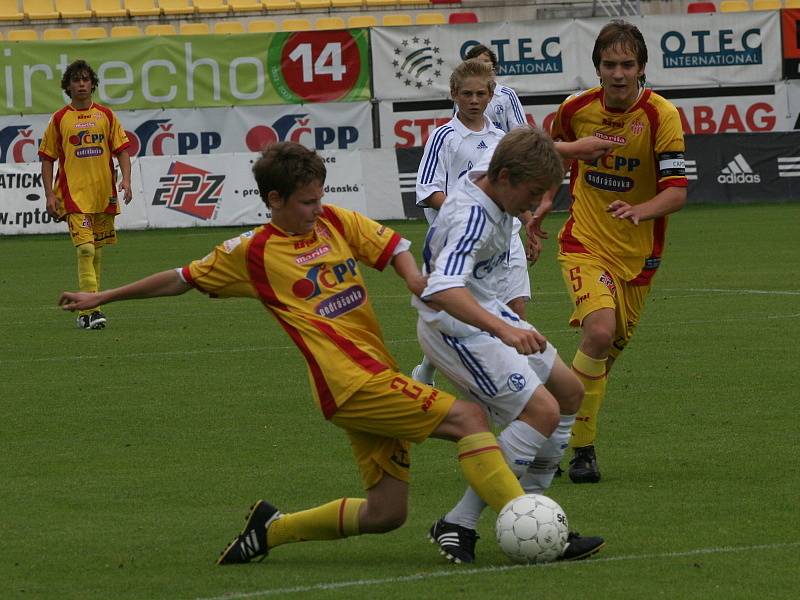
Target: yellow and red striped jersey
<point>83,142</point>
<point>649,158</point>
<point>313,285</point>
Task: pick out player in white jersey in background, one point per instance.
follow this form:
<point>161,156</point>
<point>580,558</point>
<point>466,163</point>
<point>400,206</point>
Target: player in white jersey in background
<point>505,109</point>
<point>454,148</point>
<point>473,337</point>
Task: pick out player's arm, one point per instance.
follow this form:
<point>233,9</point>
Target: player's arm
<point>125,167</point>
<point>431,185</point>
<point>515,117</point>
<point>458,302</point>
<point>166,283</point>
<point>47,183</point>
<point>588,148</point>
<point>406,267</point>
<point>666,202</point>
<point>435,200</point>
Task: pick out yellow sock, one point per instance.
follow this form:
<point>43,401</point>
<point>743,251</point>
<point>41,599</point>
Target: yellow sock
<point>330,521</point>
<point>97,263</point>
<point>486,470</point>
<point>592,373</point>
<point>87,278</point>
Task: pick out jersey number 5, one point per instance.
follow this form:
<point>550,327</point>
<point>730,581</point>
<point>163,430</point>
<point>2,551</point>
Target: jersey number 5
<point>575,278</point>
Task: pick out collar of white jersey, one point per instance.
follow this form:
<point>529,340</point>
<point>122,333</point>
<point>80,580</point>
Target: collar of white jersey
<point>494,212</point>
<point>464,131</point>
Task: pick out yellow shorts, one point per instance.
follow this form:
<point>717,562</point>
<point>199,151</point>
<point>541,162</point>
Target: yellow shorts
<point>592,287</point>
<point>97,228</point>
<point>382,417</point>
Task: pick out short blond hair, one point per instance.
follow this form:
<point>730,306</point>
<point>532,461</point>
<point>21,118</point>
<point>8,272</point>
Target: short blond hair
<point>529,154</point>
<point>471,68</point>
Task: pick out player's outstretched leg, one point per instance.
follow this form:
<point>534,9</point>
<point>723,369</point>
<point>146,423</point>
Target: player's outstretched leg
<point>252,542</point>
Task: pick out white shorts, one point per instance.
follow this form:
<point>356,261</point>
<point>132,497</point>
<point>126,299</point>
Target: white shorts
<point>486,370</point>
<point>518,283</point>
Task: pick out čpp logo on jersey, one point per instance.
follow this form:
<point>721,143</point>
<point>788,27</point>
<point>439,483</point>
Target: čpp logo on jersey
<point>324,276</point>
<point>17,144</point>
<point>523,56</point>
<point>300,129</point>
<point>709,48</point>
<point>158,137</point>
<point>189,190</point>
<point>82,138</point>
<point>611,181</point>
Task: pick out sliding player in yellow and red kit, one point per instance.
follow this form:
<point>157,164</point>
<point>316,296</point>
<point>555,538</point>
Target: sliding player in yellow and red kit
<point>611,245</point>
<point>305,268</point>
<point>82,137</point>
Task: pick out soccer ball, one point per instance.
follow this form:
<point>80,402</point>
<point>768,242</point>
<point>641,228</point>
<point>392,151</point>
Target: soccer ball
<point>532,529</point>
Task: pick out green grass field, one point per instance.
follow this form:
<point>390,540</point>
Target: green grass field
<point>129,456</point>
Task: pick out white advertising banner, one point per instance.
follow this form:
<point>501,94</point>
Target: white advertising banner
<point>774,107</point>
<point>701,49</point>
<point>536,57</point>
<point>416,62</point>
<point>207,191</point>
<point>186,131</point>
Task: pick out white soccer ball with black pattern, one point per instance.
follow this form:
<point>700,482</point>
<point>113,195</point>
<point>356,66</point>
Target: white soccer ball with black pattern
<point>532,529</point>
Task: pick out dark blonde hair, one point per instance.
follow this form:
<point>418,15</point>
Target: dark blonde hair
<point>528,154</point>
<point>286,166</point>
<point>471,68</point>
<point>623,35</point>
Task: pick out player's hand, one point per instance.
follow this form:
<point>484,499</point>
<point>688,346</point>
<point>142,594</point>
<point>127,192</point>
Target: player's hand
<point>524,341</point>
<point>533,248</point>
<point>73,301</point>
<point>125,186</point>
<point>51,207</point>
<point>620,209</point>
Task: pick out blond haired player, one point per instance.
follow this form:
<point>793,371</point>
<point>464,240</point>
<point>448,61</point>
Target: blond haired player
<point>82,137</point>
<point>305,268</point>
<point>473,337</point>
<point>611,245</point>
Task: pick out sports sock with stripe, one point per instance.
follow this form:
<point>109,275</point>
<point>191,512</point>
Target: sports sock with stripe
<point>592,373</point>
<point>331,521</point>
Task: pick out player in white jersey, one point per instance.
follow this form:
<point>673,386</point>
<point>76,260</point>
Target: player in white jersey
<point>476,340</point>
<point>455,147</point>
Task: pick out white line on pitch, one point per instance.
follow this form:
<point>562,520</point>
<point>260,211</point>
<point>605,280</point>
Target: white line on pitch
<point>391,342</point>
<point>462,572</point>
<point>731,291</point>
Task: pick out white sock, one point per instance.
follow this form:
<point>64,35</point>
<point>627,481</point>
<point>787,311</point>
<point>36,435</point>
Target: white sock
<point>540,474</point>
<point>520,443</point>
<point>426,370</point>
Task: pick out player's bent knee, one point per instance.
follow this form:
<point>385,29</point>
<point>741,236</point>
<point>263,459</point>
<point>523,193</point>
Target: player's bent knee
<point>86,250</point>
<point>542,412</point>
<point>464,418</point>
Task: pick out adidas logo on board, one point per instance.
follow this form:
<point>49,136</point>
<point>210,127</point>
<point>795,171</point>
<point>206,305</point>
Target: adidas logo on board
<point>738,171</point>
